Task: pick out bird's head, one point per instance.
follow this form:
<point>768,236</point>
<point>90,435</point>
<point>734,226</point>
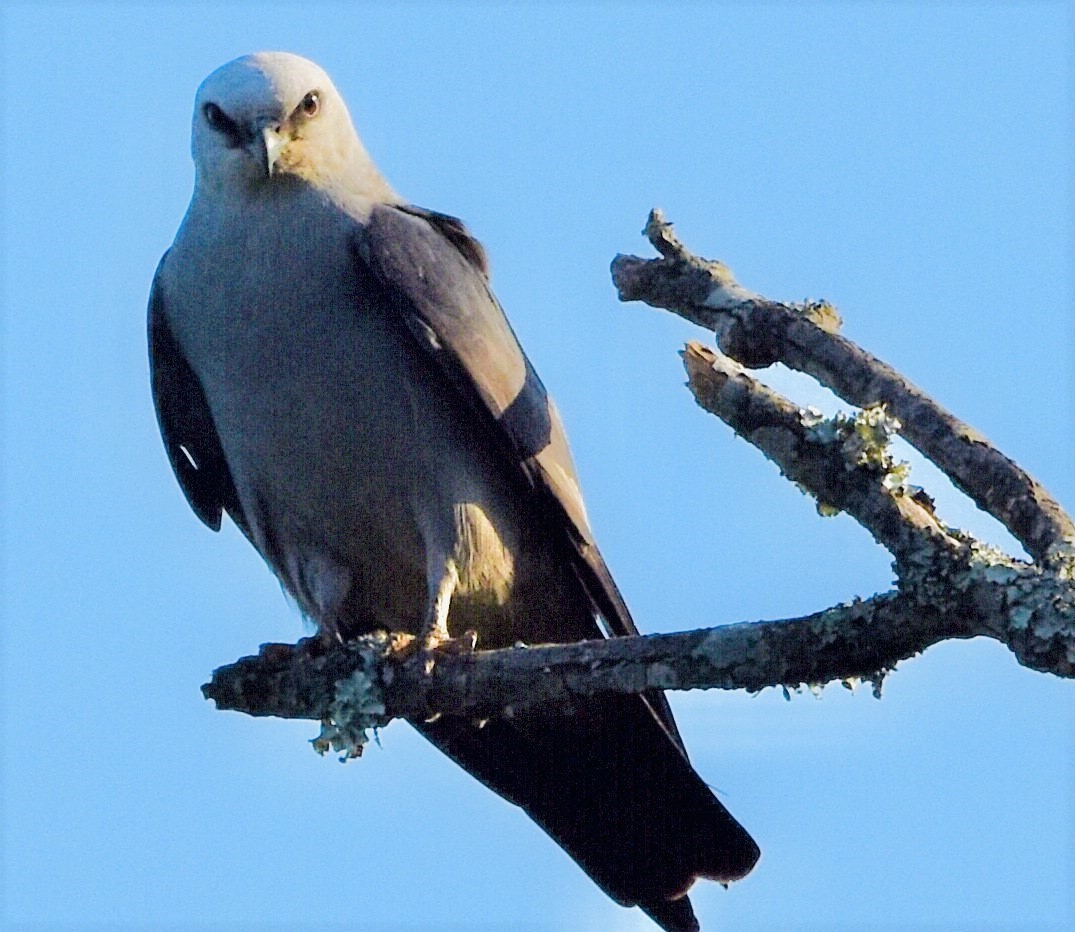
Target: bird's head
<point>275,115</point>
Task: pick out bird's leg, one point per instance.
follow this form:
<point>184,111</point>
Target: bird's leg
<point>435,634</point>
<point>435,629</point>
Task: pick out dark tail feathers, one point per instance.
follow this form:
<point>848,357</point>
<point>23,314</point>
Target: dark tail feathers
<point>616,794</point>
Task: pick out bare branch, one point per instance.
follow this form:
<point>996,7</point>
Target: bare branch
<point>900,519</point>
<point>757,332</point>
<point>860,640</point>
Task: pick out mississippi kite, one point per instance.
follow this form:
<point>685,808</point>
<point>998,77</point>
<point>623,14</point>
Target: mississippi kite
<point>331,368</point>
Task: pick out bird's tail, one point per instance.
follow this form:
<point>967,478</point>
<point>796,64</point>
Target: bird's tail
<point>612,789</point>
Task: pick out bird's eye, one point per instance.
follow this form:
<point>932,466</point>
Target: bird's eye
<point>233,133</point>
<point>311,104</point>
<point>215,117</point>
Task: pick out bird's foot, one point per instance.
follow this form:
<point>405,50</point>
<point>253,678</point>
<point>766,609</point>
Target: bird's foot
<point>464,644</point>
<point>437,642</point>
<point>401,646</point>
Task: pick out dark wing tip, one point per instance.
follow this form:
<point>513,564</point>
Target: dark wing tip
<point>210,513</point>
<point>185,422</point>
<point>672,915</point>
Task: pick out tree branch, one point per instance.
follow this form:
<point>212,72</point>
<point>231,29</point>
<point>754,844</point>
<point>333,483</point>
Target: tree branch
<point>860,640</point>
<point>758,332</point>
<point>844,463</point>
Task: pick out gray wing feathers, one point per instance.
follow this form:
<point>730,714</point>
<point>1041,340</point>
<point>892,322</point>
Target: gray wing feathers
<point>444,297</point>
<point>436,274</point>
<point>447,305</point>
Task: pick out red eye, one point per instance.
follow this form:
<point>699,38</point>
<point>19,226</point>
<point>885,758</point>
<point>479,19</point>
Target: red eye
<point>311,104</point>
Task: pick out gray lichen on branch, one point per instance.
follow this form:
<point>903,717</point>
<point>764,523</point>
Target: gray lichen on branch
<point>949,584</point>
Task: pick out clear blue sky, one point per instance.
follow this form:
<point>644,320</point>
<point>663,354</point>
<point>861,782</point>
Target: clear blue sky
<point>911,163</point>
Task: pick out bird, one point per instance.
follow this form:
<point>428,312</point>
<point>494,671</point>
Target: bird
<point>331,369</point>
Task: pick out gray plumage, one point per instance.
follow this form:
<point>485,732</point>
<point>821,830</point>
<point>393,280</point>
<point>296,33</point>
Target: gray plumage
<point>331,368</point>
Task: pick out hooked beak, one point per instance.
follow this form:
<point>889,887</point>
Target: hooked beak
<point>272,143</point>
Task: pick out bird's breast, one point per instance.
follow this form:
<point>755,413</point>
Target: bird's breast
<point>351,453</point>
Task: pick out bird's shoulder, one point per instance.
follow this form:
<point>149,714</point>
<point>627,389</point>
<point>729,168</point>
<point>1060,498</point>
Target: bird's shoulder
<point>436,276</point>
<point>456,233</point>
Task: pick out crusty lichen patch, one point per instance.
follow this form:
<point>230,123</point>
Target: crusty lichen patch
<point>863,440</point>
<point>357,708</point>
<point>821,313</point>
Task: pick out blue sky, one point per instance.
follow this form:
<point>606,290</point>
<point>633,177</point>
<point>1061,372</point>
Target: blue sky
<point>911,163</point>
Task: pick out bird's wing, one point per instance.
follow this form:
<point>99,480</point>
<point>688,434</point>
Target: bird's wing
<point>436,275</point>
<point>186,424</point>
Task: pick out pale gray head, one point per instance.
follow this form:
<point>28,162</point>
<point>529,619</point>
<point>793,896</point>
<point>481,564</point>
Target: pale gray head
<point>273,114</point>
